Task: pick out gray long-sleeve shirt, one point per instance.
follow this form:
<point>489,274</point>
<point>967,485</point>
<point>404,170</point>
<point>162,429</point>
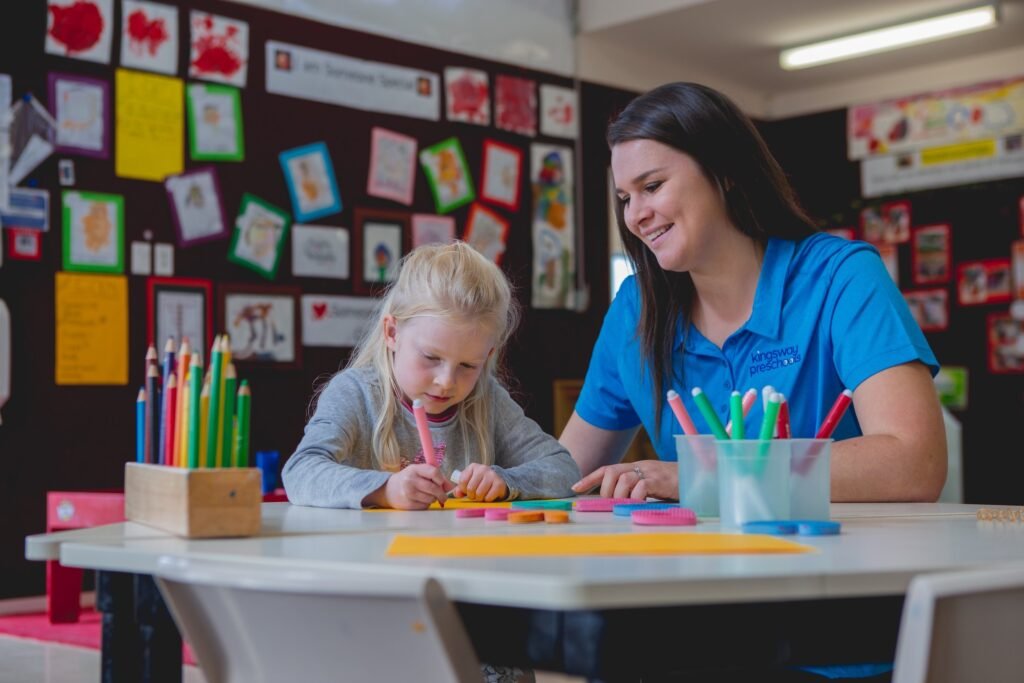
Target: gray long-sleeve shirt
<point>333,464</point>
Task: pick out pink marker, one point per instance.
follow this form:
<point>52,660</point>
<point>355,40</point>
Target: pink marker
<point>676,403</point>
<point>749,399</point>
<point>835,414</point>
<point>426,443</point>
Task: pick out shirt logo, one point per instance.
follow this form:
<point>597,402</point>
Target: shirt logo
<point>773,359</point>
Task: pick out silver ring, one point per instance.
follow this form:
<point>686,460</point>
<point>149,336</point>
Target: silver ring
<point>639,473</point>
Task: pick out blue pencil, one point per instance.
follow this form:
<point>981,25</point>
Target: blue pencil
<point>167,372</point>
<point>140,426</point>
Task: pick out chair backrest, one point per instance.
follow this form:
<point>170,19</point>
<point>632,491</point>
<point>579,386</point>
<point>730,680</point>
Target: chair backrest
<point>963,626</point>
<point>247,622</point>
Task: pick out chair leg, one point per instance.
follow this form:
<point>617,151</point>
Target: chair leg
<point>63,593</point>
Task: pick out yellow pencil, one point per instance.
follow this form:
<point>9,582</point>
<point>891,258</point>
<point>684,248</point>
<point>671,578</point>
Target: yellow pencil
<point>204,425</point>
<point>180,432</point>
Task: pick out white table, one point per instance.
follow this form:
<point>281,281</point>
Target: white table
<point>882,546</point>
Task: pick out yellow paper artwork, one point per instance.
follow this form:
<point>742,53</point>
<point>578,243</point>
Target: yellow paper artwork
<point>91,329</point>
<point>150,129</point>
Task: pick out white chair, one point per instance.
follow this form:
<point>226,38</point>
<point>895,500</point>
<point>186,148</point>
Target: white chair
<point>962,627</point>
<point>251,623</point>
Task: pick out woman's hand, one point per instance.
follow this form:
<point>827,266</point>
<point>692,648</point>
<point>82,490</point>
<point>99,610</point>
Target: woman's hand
<point>480,482</point>
<point>636,480</point>
<point>416,487</point>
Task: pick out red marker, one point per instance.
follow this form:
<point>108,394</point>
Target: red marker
<point>676,403</point>
<point>426,443</point>
<point>782,429</point>
<point>835,414</point>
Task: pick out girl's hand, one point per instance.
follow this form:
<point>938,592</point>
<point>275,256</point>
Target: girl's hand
<point>480,482</point>
<point>636,480</point>
<point>416,487</point>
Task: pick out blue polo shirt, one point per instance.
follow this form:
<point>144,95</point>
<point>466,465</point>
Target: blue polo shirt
<point>826,317</point>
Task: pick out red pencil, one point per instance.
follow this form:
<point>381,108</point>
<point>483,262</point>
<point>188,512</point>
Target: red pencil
<point>170,419</point>
<point>835,414</point>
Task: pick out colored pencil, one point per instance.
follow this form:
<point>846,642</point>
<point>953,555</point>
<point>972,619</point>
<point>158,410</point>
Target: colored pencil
<point>181,423</point>
<point>152,414</point>
<point>835,415</point>
<point>675,402</point>
<point>224,426</point>
<point>228,419</point>
<point>244,411</point>
<point>704,405</point>
<point>195,416</point>
<point>169,419</point>
<point>151,362</point>
<point>213,455</point>
<point>140,426</point>
<point>207,458</point>
<point>165,375</point>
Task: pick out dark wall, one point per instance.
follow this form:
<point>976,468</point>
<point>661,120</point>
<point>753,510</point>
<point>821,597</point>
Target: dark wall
<point>984,220</point>
<point>78,437</point>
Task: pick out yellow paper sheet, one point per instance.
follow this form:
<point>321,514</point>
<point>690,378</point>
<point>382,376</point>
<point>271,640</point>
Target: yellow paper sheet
<point>92,329</point>
<point>590,544</point>
<point>150,125</point>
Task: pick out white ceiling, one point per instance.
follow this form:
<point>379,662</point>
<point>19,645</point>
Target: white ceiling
<point>734,45</point>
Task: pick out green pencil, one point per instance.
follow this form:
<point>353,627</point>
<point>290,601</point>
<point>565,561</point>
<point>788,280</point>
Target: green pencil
<point>229,416</point>
<point>195,388</point>
<point>242,425</point>
<point>216,370</point>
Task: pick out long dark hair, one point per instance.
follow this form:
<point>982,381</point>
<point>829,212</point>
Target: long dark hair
<point>708,127</point>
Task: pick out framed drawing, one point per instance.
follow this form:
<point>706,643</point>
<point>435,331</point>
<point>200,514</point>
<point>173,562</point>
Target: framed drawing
<point>196,206</point>
<point>149,36</point>
<point>311,183</point>
<point>931,254</point>
<point>381,240</point>
<point>487,232</point>
<point>259,234</point>
<point>930,308</point>
<point>1005,343</point>
<point>262,323</point>
<point>392,166</point>
<point>448,175</point>
<point>430,229</point>
<point>93,232</point>
<point>180,307</point>
<point>502,174</point>
<point>214,122</point>
<point>81,108</point>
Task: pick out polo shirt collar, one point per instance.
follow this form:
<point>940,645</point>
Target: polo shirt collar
<point>766,318</point>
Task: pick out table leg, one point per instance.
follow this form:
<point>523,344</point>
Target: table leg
<point>159,638</point>
<point>119,653</point>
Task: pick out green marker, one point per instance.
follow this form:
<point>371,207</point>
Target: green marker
<point>736,415</point>
<point>704,405</point>
<point>771,414</point>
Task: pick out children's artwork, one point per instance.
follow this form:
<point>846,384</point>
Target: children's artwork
<point>259,234</point>
<point>81,29</point>
<point>1020,207</point>
<point>320,251</point>
<point>1017,259</point>
<point>1005,343</point>
<point>930,308</point>
<point>951,383</point>
<point>381,240</point>
<point>180,308</point>
<point>392,166</point>
<point>887,224</point>
<point>149,36</point>
<point>515,105</point>
<point>32,133</point>
<point>890,259</point>
<point>554,229</point>
<point>932,254</point>
<point>262,323</point>
<point>91,315</point>
<point>311,184</point>
<point>559,111</point>
<point>983,282</point>
<point>219,49</point>
<point>845,233</point>
<point>93,232</point>
<point>487,232</point>
<point>149,127</point>
<point>468,95</point>
<point>337,321</point>
<point>215,123</point>
<point>501,174</point>
<point>448,175</point>
<point>196,206</point>
<point>430,229</point>
<point>81,108</point>
<point>24,245</point>
<point>28,208</point>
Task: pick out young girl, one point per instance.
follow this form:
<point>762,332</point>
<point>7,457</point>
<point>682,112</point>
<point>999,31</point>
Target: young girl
<point>438,337</point>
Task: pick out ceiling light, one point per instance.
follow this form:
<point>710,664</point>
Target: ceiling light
<point>890,37</point>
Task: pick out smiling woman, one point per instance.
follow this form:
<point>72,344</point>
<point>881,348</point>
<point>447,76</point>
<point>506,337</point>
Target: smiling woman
<point>733,287</point>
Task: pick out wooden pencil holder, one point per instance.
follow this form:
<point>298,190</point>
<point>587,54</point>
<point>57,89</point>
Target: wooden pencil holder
<point>200,503</point>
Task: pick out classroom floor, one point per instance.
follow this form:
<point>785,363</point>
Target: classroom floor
<point>32,661</point>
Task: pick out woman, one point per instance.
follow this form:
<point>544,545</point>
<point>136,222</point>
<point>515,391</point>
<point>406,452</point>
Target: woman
<point>733,289</point>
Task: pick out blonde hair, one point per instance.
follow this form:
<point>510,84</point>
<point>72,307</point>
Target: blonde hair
<point>454,282</point>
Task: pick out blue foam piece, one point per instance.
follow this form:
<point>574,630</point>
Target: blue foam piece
<point>815,527</point>
<point>775,527</point>
<point>626,509</point>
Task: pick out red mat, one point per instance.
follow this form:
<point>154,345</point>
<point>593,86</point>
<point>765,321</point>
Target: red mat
<point>85,633</point>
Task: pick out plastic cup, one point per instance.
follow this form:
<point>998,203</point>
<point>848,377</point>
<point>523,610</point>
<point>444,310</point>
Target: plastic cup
<point>698,474</point>
<point>753,481</point>
<point>810,482</point>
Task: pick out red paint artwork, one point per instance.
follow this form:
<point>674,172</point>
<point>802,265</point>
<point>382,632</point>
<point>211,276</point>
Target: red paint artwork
<point>516,106</point>
<point>145,34</point>
<point>78,26</point>
<point>216,48</point>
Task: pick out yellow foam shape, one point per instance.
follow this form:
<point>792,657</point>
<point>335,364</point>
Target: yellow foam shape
<point>590,544</point>
<point>451,504</point>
